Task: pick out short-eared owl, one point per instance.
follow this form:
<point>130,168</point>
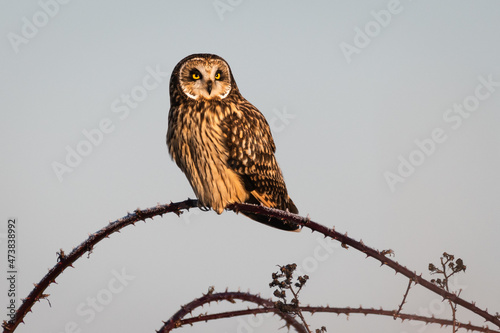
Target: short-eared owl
<point>222,142</point>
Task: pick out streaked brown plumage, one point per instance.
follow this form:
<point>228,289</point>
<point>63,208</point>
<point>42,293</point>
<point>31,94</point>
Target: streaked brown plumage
<point>222,142</point>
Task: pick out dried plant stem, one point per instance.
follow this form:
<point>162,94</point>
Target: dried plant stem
<point>299,312</point>
<point>396,314</point>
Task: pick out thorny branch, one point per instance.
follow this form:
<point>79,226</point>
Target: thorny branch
<point>268,306</point>
<point>177,321</point>
<point>370,252</point>
<point>65,261</point>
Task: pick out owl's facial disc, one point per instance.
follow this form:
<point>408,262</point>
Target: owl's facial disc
<point>205,79</point>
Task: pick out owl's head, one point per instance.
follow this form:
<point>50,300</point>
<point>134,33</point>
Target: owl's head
<point>202,76</point>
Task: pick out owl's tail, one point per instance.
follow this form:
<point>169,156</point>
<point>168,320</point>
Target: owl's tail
<point>273,221</point>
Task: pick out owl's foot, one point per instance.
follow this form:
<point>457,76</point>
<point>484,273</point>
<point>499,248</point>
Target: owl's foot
<point>203,208</point>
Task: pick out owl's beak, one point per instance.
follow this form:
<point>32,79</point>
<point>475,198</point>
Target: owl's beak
<point>209,87</point>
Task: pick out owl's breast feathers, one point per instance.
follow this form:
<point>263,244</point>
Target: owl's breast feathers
<point>226,150</point>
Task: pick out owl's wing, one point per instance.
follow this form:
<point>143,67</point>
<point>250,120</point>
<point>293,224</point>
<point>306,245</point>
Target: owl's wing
<point>251,155</point>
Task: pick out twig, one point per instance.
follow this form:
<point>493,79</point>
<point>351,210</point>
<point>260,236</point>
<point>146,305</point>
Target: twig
<point>299,312</point>
<point>447,264</point>
<point>396,314</point>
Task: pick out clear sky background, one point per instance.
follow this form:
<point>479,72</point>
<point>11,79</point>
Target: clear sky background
<point>386,120</point>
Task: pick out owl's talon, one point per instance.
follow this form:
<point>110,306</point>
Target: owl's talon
<point>204,208</point>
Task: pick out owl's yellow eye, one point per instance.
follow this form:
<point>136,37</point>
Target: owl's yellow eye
<point>217,76</point>
<point>195,76</point>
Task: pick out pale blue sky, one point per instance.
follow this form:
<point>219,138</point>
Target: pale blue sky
<point>349,88</point>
